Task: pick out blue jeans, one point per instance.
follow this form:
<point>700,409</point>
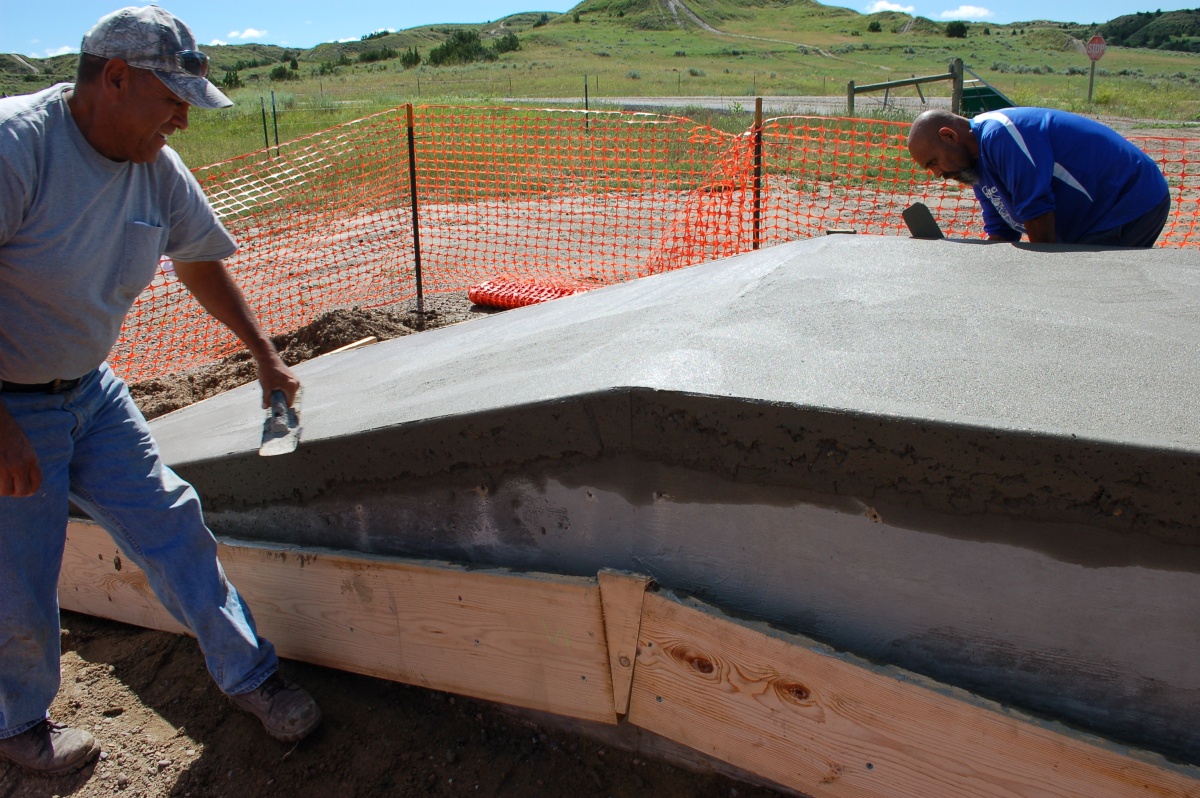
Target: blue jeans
<point>1141,232</point>
<point>94,448</point>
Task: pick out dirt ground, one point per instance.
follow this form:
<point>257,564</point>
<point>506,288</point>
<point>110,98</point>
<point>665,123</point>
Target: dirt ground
<point>166,729</point>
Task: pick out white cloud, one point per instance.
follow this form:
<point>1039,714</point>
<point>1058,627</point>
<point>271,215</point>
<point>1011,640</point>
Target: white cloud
<point>349,39</point>
<point>248,33</point>
<point>884,5</point>
<point>216,42</point>
<point>967,12</point>
<point>53,51</point>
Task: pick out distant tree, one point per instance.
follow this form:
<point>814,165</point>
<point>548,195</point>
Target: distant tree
<point>376,35</point>
<point>956,30</point>
<point>231,80</point>
<point>281,73</point>
<point>542,20</point>
<point>507,43</point>
<point>575,17</point>
<point>463,47</point>
<point>987,31</point>
<point>294,65</point>
<point>410,58</point>
<point>382,54</point>
<point>874,27</point>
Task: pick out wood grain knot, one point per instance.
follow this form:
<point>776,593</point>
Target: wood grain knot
<point>693,659</point>
<point>794,692</point>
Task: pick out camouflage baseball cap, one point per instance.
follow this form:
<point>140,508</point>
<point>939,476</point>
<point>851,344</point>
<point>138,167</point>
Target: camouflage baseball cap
<point>154,39</point>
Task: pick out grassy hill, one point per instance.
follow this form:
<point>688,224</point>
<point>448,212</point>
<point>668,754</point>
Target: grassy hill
<point>734,48</point>
<point>1172,30</point>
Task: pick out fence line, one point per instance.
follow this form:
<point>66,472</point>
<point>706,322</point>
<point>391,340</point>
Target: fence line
<point>598,198</point>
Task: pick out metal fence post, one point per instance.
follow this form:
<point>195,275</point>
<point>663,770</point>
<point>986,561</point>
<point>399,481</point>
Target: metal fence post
<point>758,158</point>
<point>416,219</point>
<point>262,105</point>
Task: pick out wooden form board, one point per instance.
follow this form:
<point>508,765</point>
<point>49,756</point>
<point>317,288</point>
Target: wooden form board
<point>782,707</point>
<point>776,705</point>
<point>534,642</point>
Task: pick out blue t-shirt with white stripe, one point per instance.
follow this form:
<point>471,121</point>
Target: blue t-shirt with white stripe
<point>1036,160</point>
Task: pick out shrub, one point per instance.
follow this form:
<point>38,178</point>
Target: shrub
<point>874,27</point>
<point>410,58</point>
<point>463,47</point>
<point>507,43</point>
<point>696,73</point>
<point>542,20</point>
<point>281,73</point>
<point>382,54</point>
<point>575,17</point>
<point>956,30</point>
<point>633,75</point>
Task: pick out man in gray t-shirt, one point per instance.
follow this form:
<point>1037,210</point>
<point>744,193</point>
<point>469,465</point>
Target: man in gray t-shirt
<point>90,198</point>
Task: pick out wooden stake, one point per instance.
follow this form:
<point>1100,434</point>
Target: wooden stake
<point>621,600</point>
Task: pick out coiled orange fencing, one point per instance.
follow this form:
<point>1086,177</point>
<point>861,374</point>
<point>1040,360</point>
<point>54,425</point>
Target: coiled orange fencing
<point>537,196</point>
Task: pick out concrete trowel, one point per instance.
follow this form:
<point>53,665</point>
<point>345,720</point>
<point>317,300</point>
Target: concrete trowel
<point>281,428</point>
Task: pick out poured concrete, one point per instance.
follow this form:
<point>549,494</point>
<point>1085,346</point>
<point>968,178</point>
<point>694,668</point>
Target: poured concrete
<point>975,461</point>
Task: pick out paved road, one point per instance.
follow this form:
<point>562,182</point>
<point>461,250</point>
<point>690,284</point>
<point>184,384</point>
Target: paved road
<point>824,105</point>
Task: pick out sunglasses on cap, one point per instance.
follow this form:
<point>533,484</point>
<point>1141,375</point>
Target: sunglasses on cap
<point>192,62</point>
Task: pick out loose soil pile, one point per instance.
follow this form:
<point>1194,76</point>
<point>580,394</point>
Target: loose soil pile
<point>331,331</point>
<point>168,731</point>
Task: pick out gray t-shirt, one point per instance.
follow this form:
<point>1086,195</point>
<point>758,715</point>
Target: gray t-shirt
<point>81,237</point>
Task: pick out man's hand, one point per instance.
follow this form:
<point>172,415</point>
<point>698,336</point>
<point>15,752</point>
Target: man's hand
<point>20,473</point>
<point>274,375</point>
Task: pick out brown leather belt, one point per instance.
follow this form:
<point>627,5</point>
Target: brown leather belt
<point>54,386</point>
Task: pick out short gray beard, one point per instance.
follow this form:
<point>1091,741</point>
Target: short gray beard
<point>968,176</point>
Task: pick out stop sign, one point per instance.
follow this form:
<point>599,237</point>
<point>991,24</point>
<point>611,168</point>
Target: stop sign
<point>1095,47</point>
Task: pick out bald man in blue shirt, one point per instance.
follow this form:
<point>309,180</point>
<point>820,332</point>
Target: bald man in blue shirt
<point>1053,176</point>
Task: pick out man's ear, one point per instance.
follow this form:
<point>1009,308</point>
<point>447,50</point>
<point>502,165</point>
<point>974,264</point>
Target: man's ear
<point>115,78</point>
<point>948,135</point>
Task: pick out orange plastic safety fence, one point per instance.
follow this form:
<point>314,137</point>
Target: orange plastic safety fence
<point>321,226</point>
<point>545,198</point>
<point>509,292</point>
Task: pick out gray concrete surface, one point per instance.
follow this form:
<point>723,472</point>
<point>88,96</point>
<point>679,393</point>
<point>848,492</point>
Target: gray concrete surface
<point>1101,345</point>
<point>978,462</point>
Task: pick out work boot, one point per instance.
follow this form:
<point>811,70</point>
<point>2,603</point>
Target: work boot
<point>50,749</point>
<point>287,712</point>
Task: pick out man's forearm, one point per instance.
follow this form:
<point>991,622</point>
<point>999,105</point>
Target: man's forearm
<point>1040,229</point>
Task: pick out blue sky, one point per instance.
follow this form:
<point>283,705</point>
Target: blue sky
<point>49,27</point>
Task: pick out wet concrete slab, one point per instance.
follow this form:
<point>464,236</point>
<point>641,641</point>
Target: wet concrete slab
<point>1102,345</point>
<point>977,462</point>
